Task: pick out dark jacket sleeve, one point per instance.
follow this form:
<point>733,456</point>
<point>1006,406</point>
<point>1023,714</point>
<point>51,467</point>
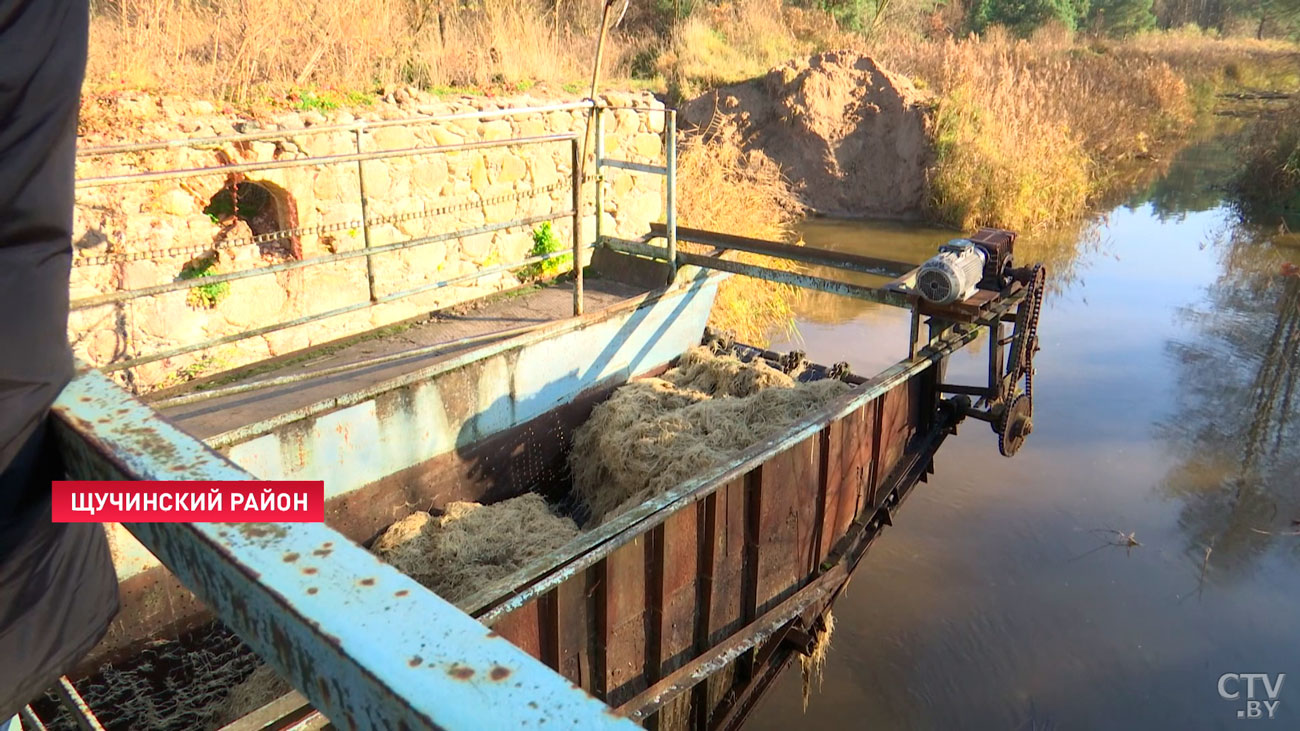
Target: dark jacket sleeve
<point>58,591</point>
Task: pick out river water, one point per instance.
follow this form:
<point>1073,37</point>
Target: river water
<point>1166,409</point>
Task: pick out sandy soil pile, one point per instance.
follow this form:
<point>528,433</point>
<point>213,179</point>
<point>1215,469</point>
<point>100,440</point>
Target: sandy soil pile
<point>471,545</point>
<point>653,434</point>
<point>852,137</point>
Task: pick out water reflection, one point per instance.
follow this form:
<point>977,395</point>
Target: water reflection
<point>1165,406</point>
<point>1194,180</point>
<point>1235,423</point>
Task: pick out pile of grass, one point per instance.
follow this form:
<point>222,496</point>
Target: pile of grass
<point>471,545</point>
<point>654,434</point>
<point>812,665</point>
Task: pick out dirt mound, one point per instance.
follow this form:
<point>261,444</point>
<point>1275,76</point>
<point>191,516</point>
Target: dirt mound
<point>852,137</point>
<point>653,434</point>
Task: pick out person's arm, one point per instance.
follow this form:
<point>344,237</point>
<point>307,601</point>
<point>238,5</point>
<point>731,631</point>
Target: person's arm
<point>58,590</point>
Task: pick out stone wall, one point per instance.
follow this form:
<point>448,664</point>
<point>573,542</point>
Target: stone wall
<point>129,236</point>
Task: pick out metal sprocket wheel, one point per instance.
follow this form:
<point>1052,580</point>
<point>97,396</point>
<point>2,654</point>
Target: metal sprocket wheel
<point>1016,424</point>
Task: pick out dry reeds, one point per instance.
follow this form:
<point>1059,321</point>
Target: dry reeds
<point>246,50</point>
<point>1027,131</point>
<point>723,188</point>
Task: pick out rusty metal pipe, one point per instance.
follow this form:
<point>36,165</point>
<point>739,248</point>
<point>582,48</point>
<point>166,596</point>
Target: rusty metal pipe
<point>301,162</point>
<point>235,337</point>
<point>327,129</point>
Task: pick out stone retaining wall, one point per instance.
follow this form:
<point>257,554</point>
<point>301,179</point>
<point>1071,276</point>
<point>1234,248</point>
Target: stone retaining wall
<point>129,236</point>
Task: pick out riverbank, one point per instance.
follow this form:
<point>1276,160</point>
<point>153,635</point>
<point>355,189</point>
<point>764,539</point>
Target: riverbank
<point>995,129</point>
<point>1022,132</point>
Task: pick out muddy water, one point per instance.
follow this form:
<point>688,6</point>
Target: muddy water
<point>1167,407</point>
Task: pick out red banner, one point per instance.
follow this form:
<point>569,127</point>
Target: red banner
<point>285,501</point>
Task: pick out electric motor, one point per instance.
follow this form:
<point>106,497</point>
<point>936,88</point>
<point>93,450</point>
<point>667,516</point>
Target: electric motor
<point>953,274</point>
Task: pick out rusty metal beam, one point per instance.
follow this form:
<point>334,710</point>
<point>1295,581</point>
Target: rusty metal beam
<point>857,291</point>
<point>369,647</point>
<point>807,254</point>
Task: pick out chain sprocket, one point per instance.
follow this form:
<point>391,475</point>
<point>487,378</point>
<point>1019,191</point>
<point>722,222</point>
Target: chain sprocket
<point>1013,419</point>
<point>1024,338</point>
<point>1017,423</point>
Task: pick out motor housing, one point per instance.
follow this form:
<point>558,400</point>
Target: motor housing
<point>953,274</point>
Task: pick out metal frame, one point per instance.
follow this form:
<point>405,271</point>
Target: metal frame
<point>265,581</point>
<point>310,602</point>
<point>368,250</point>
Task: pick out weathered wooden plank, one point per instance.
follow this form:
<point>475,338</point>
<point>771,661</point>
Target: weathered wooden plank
<point>828,495</point>
<point>706,540</point>
<point>849,468</point>
<point>575,628</point>
<point>523,628</point>
<point>726,612</point>
<point>897,424</point>
<point>623,643</point>
<point>807,488</point>
<point>680,595</point>
<point>788,484</point>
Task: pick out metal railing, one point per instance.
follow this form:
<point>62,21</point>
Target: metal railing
<point>369,250</point>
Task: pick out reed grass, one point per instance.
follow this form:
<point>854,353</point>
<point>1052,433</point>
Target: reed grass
<point>723,188</point>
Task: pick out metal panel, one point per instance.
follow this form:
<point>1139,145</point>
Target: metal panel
<point>366,644</point>
<point>807,254</point>
<point>354,445</point>
<point>635,166</point>
<point>870,294</point>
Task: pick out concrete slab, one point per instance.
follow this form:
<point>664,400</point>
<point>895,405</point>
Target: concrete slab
<point>501,314</point>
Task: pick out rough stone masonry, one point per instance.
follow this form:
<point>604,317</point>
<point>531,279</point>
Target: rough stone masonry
<point>129,236</point>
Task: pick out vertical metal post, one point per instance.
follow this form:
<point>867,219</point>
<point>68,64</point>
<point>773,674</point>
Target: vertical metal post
<point>670,130</point>
<point>365,216</point>
<point>577,227</point>
<point>915,332</point>
<point>72,701</point>
<point>600,175</point>
<point>30,720</point>
<point>995,359</point>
